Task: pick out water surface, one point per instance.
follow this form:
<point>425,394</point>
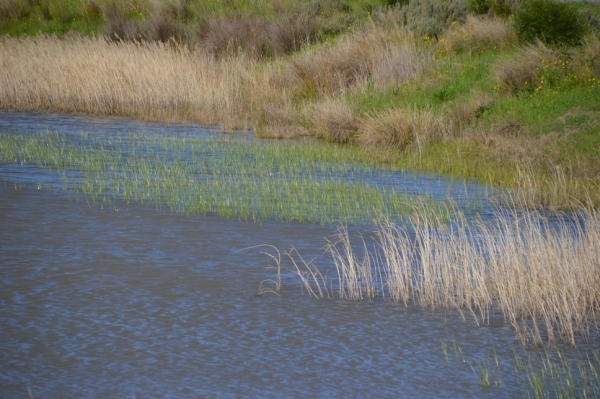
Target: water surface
<point>115,300</point>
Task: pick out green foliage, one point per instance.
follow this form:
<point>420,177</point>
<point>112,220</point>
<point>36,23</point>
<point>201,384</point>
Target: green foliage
<point>479,6</point>
<point>549,21</point>
<point>432,17</point>
<point>500,8</point>
<point>394,2</point>
<point>592,21</point>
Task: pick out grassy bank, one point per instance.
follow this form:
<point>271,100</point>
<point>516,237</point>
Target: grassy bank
<point>455,93</point>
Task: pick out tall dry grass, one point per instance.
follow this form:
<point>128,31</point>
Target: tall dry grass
<point>141,80</point>
<point>166,81</point>
<point>399,128</point>
<point>383,57</point>
<point>477,34</point>
<point>542,276</point>
<point>333,119</point>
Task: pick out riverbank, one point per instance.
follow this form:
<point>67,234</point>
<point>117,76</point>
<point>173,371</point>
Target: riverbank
<point>474,102</point>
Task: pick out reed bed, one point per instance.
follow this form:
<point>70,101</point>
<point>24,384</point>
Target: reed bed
<point>233,178</point>
<point>379,86</point>
<point>542,275</point>
<point>144,80</point>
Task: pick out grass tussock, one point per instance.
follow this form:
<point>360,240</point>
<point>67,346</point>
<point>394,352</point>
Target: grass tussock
<point>524,73</point>
<point>537,66</point>
<point>478,34</point>
<point>400,128</point>
<point>369,56</point>
<point>334,120</point>
<point>541,276</point>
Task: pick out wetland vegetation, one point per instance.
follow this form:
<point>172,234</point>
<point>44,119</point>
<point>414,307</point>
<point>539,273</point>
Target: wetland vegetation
<point>449,91</point>
<point>235,178</point>
<point>480,90</point>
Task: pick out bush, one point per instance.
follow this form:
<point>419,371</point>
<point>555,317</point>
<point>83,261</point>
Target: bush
<point>258,36</point>
<point>120,27</point>
<point>162,26</point>
<point>549,21</point>
<point>592,22</point>
<point>500,8</point>
<point>432,17</point>
<point>13,9</point>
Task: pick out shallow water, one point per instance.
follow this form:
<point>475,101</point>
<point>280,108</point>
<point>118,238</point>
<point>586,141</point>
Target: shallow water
<point>128,301</point>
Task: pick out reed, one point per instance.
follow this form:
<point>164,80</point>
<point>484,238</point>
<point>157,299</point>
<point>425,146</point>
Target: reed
<point>542,275</point>
<point>542,373</point>
<point>142,80</point>
<point>231,178</point>
<point>433,107</point>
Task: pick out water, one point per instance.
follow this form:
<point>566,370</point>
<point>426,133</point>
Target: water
<point>127,301</point>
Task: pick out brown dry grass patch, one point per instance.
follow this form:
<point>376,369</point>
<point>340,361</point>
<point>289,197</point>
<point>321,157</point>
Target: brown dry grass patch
<point>400,128</point>
<point>141,80</point>
<point>332,119</point>
<point>477,34</point>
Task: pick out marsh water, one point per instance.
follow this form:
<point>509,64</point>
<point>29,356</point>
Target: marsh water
<point>127,300</point>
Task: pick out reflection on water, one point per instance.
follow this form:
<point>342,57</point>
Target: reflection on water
<point>125,301</point>
<point>32,122</point>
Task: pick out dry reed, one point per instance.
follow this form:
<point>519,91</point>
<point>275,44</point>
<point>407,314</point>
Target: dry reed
<point>400,128</point>
<point>334,120</point>
<point>477,34</point>
<point>142,80</point>
<point>541,275</point>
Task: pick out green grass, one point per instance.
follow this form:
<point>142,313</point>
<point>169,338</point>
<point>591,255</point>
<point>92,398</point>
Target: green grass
<point>89,17</point>
<point>542,373</point>
<point>305,182</point>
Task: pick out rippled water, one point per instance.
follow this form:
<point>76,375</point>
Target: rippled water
<point>125,301</point>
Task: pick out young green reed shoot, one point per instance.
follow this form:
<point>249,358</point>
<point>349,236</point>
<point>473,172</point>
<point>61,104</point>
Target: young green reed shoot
<point>306,182</point>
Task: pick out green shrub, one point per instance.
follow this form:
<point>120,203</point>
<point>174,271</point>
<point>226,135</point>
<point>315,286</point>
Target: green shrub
<point>500,8</point>
<point>550,22</point>
<point>479,7</point>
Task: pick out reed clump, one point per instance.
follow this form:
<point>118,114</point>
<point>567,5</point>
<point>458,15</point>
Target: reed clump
<point>334,120</point>
<point>541,275</point>
<point>400,128</point>
<point>478,34</point>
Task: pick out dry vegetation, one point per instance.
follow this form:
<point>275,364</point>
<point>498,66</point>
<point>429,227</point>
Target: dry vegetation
<point>363,87</point>
<point>157,81</point>
<point>382,84</point>
<point>142,80</point>
<point>541,276</point>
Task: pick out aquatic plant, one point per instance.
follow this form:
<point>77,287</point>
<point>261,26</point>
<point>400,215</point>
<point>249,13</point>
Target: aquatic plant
<point>233,178</point>
<point>541,373</point>
<point>542,275</point>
